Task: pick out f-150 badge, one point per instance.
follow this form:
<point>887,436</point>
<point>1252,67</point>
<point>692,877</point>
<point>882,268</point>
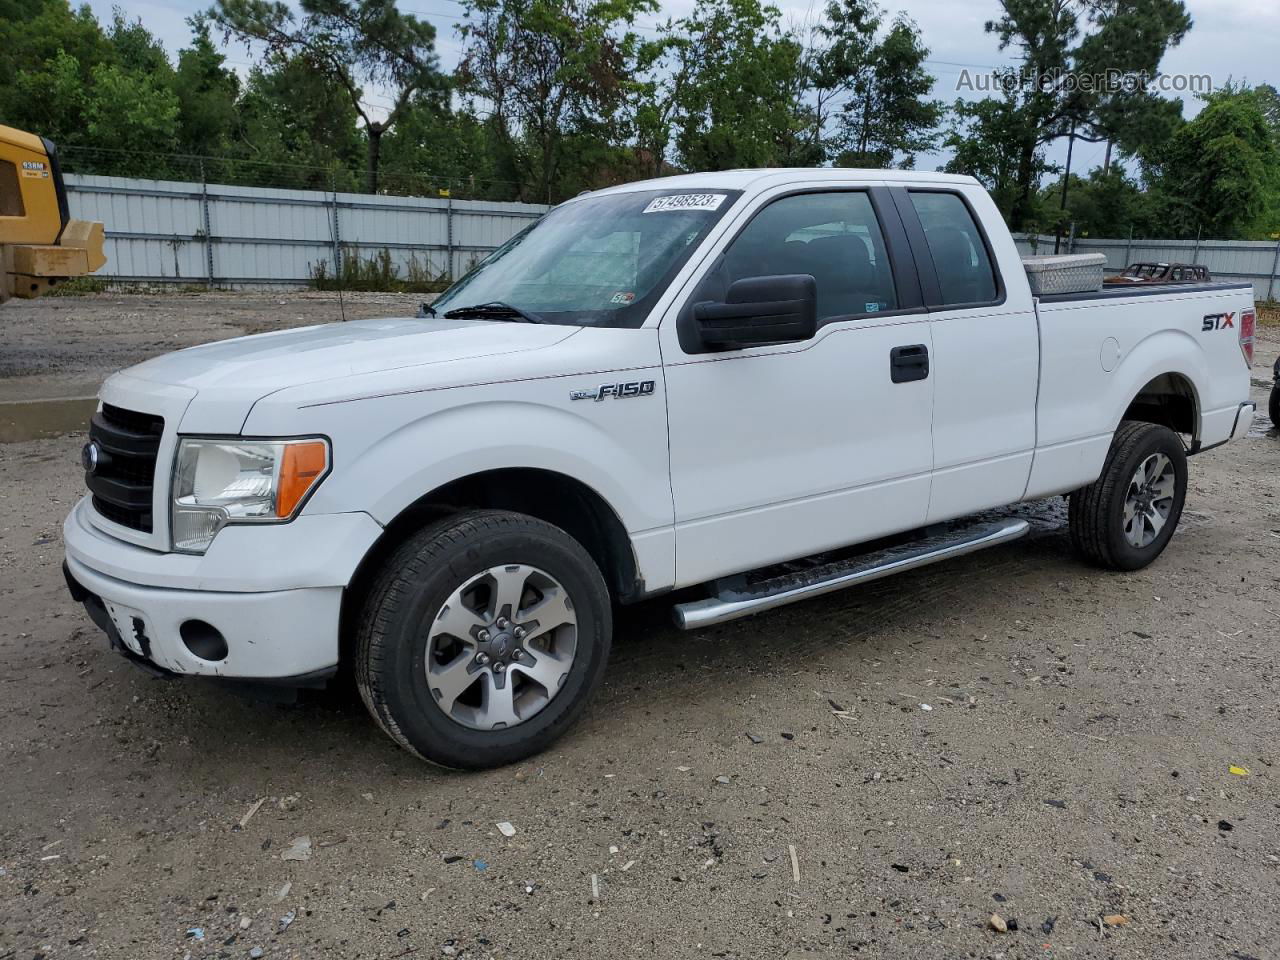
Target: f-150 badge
<point>619,391</point>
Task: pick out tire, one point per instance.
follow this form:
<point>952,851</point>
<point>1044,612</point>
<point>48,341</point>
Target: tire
<point>1100,531</point>
<point>452,578</point>
<point>1273,405</point>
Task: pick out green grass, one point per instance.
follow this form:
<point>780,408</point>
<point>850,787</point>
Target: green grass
<point>377,274</point>
<point>78,286</point>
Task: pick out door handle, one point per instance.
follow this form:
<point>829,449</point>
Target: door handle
<point>909,363</point>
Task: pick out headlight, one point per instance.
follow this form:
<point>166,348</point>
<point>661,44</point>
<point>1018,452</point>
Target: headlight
<point>216,482</point>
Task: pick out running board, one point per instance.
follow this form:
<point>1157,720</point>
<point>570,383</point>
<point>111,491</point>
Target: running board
<point>732,604</point>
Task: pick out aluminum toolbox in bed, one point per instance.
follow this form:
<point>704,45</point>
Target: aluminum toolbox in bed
<point>1071,273</point>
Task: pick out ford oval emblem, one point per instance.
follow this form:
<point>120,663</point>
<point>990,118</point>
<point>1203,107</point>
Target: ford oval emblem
<point>89,456</point>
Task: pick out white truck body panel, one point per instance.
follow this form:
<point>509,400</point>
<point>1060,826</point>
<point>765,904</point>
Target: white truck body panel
<point>731,460</point>
<point>984,411</point>
<point>1142,337</point>
<point>400,435</point>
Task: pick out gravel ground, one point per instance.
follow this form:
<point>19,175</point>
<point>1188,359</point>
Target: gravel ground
<point>1009,732</point>
<point>66,346</point>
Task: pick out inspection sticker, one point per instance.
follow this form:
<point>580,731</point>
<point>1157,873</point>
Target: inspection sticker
<point>686,201</point>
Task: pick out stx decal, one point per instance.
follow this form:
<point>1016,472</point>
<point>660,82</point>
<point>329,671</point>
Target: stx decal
<point>619,391</point>
<point>1217,321</point>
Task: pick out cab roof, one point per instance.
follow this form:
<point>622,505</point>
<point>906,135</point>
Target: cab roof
<point>760,179</point>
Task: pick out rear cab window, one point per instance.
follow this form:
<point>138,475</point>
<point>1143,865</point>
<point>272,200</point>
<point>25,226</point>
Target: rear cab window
<point>958,248</point>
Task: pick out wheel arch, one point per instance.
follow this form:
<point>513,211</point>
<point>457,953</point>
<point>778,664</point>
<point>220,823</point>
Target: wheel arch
<point>1169,399</point>
<point>556,498</point>
<point>1161,379</point>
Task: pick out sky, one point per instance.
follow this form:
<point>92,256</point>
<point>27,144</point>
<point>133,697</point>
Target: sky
<point>1231,40</point>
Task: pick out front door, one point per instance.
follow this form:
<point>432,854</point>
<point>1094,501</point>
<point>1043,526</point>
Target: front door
<point>780,451</point>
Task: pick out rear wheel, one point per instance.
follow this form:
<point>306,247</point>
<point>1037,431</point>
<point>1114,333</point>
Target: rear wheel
<point>1273,406</point>
<point>482,638</point>
<point>1125,518</point>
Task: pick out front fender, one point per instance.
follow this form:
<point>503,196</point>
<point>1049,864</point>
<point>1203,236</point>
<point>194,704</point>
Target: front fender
<point>622,456</point>
<point>398,437</point>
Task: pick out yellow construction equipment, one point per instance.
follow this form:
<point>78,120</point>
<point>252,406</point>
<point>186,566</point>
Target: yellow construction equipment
<point>40,245</point>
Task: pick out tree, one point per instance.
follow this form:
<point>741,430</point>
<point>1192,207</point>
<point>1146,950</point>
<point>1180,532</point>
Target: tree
<point>208,114</point>
<point>104,92</point>
<point>45,45</point>
<point>985,141</point>
<point>732,89</point>
<point>663,68</point>
<point>1219,171</point>
<point>135,111</point>
<point>889,118</point>
<point>836,63</point>
<point>1062,86</point>
<point>1269,103</point>
<point>136,50</point>
<point>434,148</point>
<point>297,127</point>
<point>1107,203</point>
<point>545,74</point>
<point>354,42</point>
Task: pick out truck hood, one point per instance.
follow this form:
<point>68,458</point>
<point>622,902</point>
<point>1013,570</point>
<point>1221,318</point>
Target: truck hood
<point>231,375</point>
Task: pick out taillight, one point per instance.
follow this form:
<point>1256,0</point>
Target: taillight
<point>1248,321</point>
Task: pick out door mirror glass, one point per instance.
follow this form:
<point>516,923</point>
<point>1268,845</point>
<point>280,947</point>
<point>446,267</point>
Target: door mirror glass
<point>756,310</point>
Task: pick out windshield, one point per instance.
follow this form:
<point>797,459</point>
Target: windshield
<point>600,261</point>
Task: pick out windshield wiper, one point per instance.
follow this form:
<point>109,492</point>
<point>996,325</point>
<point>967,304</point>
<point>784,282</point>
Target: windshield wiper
<point>494,309</point>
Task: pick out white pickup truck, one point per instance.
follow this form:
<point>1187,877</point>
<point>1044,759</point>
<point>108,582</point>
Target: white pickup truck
<point>683,382</point>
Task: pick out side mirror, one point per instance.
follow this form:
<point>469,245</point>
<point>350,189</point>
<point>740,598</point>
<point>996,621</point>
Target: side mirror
<point>781,309</point>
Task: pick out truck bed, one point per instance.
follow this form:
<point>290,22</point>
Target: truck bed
<point>1143,290</point>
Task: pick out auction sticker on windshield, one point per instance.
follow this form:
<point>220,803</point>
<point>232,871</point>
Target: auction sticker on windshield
<point>686,201</point>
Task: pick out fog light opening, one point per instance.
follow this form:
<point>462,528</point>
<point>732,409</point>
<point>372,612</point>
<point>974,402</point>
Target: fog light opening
<point>204,640</point>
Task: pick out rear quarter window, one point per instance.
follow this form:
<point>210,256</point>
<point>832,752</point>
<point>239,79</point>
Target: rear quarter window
<point>965,273</point>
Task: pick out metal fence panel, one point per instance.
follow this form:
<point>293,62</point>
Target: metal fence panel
<point>165,231</point>
<point>1252,261</point>
<point>170,232</point>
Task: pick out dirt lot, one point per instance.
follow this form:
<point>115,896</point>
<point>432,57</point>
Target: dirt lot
<point>1010,732</point>
<point>66,346</point>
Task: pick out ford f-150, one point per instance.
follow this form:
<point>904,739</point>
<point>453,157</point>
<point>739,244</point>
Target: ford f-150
<point>681,383</point>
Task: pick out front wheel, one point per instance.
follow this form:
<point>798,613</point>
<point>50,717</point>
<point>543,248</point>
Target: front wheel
<point>482,639</point>
<point>1273,406</point>
<point>1125,518</point>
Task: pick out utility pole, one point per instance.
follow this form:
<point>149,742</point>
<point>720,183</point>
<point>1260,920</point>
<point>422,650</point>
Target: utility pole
<point>207,223</point>
<point>1066,179</point>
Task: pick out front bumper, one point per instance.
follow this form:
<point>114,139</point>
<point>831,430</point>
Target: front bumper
<point>272,596</point>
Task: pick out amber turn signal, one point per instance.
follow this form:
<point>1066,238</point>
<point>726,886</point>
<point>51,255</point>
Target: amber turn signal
<point>302,467</point>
